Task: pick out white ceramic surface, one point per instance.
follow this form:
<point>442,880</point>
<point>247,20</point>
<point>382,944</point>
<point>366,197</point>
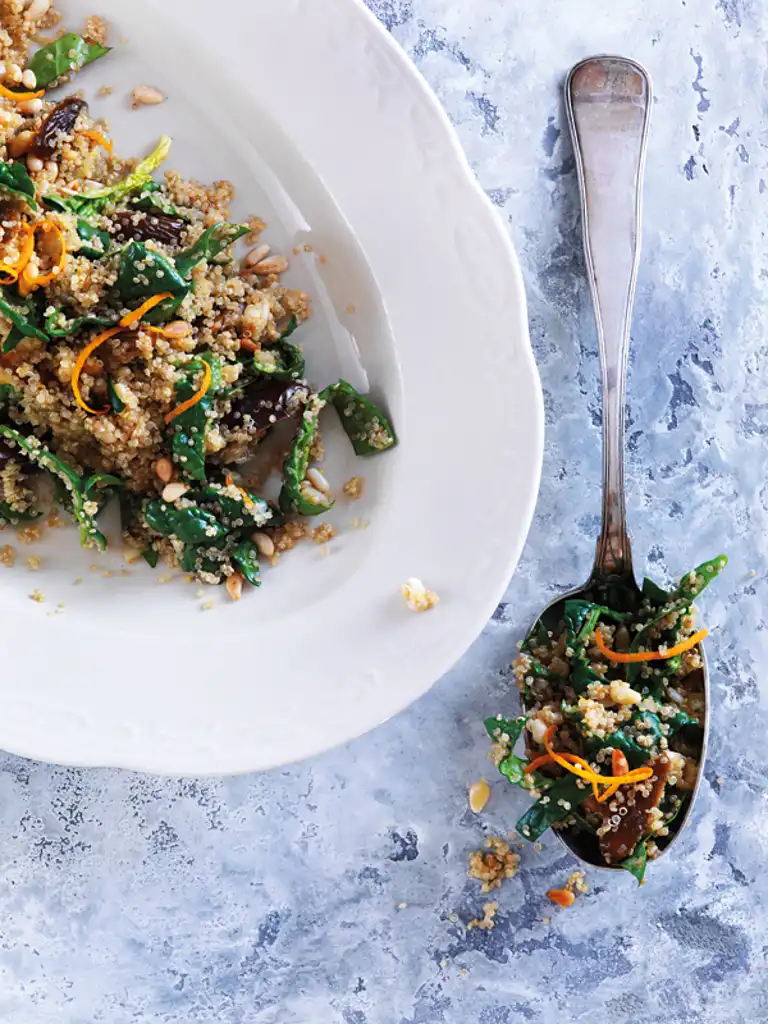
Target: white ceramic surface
<point>337,142</point>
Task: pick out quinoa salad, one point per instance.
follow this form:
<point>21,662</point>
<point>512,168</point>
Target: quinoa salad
<point>140,359</point>
<point>613,730</point>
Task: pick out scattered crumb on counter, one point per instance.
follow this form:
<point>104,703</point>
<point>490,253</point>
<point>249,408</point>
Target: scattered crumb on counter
<point>493,867</point>
<point>323,533</point>
<point>486,922</point>
<point>206,606</point>
<point>359,524</point>
<point>353,488</point>
<point>95,30</point>
<point>8,556</point>
<point>37,595</point>
<point>146,96</point>
<point>417,597</point>
<point>34,563</point>
<point>479,794</point>
<point>77,582</point>
<point>30,534</point>
<point>402,906</point>
<point>351,308</point>
<point>105,90</point>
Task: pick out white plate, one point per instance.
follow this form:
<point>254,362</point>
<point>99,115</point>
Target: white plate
<point>299,102</point>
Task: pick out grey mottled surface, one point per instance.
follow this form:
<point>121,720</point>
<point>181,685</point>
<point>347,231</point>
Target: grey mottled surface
<point>274,898</point>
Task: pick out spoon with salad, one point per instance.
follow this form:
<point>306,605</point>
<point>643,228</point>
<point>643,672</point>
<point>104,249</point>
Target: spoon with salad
<point>612,676</point>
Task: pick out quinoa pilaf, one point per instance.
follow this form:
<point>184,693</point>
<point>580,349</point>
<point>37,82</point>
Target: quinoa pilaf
<point>138,358</point>
<point>614,723</point>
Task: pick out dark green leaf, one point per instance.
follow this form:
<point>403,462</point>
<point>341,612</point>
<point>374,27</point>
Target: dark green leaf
<point>150,556</point>
<point>512,728</point>
<point>144,273</point>
<point>37,452</point>
<point>7,392</point>
<point>99,482</point>
<point>115,401</point>
<point>209,245</point>
<point>364,423</point>
<point>654,593</point>
<point>13,338</point>
<point>282,361</point>
<point>152,199</point>
<point>692,584</point>
<point>188,429</point>
<point>636,862</point>
<point>96,243</point>
<point>581,619</point>
<point>191,525</point>
<point>297,495</point>
<point>23,315</point>
<point>57,325</point>
<point>15,179</point>
<point>62,57</point>
<point>549,808</point>
<point>11,516</point>
<point>235,513</point>
<point>245,555</point>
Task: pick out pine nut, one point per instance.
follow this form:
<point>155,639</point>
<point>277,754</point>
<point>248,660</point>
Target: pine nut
<point>256,255</point>
<point>172,492</point>
<point>34,164</point>
<point>177,329</point>
<point>479,794</point>
<point>31,107</point>
<point>14,73</point>
<point>256,317</point>
<point>146,95</point>
<point>20,143</point>
<point>318,481</point>
<point>235,586</point>
<point>264,543</point>
<point>2,69</point>
<point>164,470</point>
<point>52,169</point>
<point>272,265</point>
<point>29,78</point>
<point>37,9</point>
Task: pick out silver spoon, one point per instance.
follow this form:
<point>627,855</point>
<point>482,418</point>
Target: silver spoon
<point>608,102</point>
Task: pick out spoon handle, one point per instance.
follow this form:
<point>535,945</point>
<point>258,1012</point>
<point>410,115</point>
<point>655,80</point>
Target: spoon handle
<point>608,101</point>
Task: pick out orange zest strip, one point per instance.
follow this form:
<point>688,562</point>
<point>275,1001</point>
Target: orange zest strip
<point>548,759</point>
<point>611,791</point>
<point>137,314</point>
<point>80,363</point>
<point>99,139</point>
<point>20,97</point>
<point>29,280</point>
<point>586,773</point>
<point>246,496</point>
<point>671,652</point>
<point>200,393</point>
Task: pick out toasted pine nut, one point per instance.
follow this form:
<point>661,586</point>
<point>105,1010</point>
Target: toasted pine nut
<point>256,316</point>
<point>13,72</point>
<point>29,78</point>
<point>31,107</point>
<point>235,586</point>
<point>164,470</point>
<point>256,255</point>
<point>20,143</point>
<point>272,265</point>
<point>34,164</point>
<point>177,329</point>
<point>146,95</point>
<point>37,9</point>
<point>479,794</point>
<point>318,481</point>
<point>264,543</point>
<point>172,492</point>
<point>52,169</point>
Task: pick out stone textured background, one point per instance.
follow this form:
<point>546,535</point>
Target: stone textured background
<point>282,897</point>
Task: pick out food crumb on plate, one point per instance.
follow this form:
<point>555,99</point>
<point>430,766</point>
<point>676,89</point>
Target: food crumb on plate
<point>323,533</point>
<point>566,896</point>
<point>34,563</point>
<point>353,488</point>
<point>493,867</point>
<point>146,96</point>
<point>486,921</point>
<point>30,534</point>
<point>417,597</point>
<point>37,595</point>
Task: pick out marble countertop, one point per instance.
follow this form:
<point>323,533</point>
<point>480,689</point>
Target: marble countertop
<point>336,891</point>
